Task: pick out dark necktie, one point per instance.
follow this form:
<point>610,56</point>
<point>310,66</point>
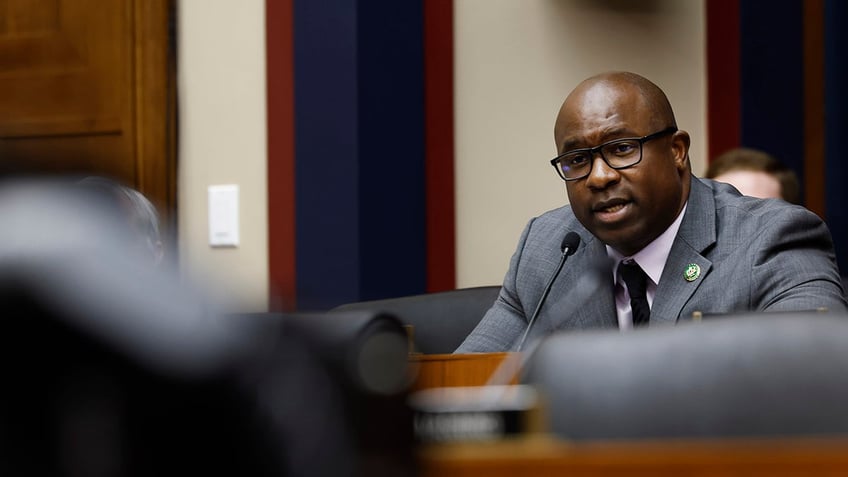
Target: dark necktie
<point>637,285</point>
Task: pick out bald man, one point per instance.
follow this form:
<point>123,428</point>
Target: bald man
<point>678,246</point>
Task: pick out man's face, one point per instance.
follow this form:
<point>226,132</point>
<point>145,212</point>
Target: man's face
<point>626,208</point>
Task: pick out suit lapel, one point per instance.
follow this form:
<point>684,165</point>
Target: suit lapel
<point>697,232</point>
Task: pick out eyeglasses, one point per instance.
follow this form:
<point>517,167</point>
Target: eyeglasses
<point>618,154</point>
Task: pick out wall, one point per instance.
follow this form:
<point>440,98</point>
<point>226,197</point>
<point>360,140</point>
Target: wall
<point>223,140</point>
<point>514,64</point>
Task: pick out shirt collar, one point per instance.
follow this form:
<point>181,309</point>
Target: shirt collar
<point>652,258</point>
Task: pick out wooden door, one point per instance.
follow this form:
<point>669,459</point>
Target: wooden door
<point>88,87</point>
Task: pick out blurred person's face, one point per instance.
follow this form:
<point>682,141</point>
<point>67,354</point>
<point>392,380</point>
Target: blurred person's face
<point>752,183</point>
<point>626,208</point>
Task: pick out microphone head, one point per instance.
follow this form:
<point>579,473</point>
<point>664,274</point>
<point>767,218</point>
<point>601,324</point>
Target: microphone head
<point>570,243</point>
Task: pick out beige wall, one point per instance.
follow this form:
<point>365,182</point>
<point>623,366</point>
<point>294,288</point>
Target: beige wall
<point>515,62</point>
<point>223,141</point>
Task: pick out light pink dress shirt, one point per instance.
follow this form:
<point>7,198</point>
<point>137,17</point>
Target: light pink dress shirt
<point>652,260</point>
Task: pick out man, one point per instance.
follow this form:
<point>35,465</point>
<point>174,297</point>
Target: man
<point>756,174</point>
<point>703,247</point>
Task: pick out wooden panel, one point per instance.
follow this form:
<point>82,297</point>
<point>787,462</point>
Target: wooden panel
<point>279,59</point>
<point>87,87</point>
<point>65,97</point>
<point>154,94</point>
<point>542,455</point>
<point>29,15</point>
<point>723,76</point>
<point>68,79</point>
<point>59,127</point>
<point>439,145</point>
<point>814,107</point>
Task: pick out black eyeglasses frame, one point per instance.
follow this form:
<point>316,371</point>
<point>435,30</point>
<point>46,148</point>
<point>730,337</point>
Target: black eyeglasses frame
<point>597,150</point>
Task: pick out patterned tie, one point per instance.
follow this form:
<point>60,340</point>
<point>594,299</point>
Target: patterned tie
<point>637,284</point>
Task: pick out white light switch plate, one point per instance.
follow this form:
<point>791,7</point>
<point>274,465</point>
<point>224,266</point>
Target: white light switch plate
<point>224,215</point>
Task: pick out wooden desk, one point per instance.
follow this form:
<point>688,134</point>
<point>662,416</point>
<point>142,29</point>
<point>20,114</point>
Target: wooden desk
<point>448,370</point>
<point>543,456</point>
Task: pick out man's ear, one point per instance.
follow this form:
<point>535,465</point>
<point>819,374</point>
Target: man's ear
<point>680,148</point>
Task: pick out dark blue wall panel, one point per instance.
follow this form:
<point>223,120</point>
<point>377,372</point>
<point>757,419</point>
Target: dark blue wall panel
<point>326,152</point>
<point>772,79</point>
<point>359,147</point>
<point>836,120</point>
<point>391,148</point>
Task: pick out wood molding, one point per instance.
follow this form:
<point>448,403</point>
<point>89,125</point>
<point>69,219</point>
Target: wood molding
<point>545,455</point>
<point>154,107</point>
<point>279,51</point>
<point>439,145</point>
<point>814,107</point>
<point>723,76</point>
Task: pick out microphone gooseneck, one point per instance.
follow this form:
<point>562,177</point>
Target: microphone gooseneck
<point>569,245</point>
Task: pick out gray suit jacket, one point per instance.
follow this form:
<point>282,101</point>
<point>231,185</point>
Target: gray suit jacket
<point>754,255</point>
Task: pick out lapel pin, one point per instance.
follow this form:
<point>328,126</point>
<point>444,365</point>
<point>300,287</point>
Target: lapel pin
<point>692,272</point>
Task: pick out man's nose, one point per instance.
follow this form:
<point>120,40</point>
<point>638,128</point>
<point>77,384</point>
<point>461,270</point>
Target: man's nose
<point>602,175</point>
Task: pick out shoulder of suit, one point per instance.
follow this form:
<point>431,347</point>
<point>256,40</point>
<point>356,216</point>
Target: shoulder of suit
<point>560,218</point>
<point>559,213</point>
<point>554,224</point>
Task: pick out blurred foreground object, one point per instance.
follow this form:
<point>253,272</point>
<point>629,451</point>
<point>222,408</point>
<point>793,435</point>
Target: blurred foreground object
<point>752,375</point>
<point>114,367</point>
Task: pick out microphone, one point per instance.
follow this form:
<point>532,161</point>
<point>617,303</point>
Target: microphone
<point>498,408</point>
<point>569,245</point>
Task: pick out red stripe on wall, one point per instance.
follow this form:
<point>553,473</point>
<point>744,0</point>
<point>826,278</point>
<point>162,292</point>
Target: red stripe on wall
<point>439,144</point>
<point>814,110</point>
<point>723,76</point>
<point>279,51</point>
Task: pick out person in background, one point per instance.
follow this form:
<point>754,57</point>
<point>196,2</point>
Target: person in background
<point>142,219</point>
<point>755,173</point>
<point>679,246</point>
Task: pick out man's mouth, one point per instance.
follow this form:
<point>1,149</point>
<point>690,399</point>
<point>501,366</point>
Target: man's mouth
<point>612,208</point>
<point>611,205</point>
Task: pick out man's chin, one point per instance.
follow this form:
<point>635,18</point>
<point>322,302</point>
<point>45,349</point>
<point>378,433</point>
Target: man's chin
<point>619,238</point>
